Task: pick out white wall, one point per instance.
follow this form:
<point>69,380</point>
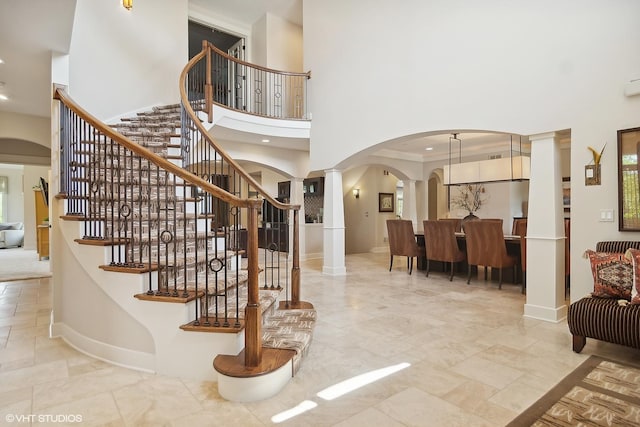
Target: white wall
<point>365,227</point>
<point>25,127</point>
<point>15,200</point>
<point>291,163</point>
<point>520,67</point>
<point>121,61</point>
<point>284,45</point>
<point>259,42</point>
<point>277,43</point>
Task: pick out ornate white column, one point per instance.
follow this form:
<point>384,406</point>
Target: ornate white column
<point>409,205</point>
<point>333,225</point>
<point>545,232</point>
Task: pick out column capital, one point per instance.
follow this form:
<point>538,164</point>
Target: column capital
<point>332,170</point>
<point>541,136</point>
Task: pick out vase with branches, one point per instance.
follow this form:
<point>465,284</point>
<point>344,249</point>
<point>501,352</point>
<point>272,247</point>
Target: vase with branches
<point>469,197</point>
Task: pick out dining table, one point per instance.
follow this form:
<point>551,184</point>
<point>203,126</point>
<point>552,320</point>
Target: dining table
<point>512,243</point>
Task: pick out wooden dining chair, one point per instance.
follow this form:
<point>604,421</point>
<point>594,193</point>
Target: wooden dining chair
<point>486,247</point>
<point>441,243</point>
<point>402,241</point>
<point>516,222</point>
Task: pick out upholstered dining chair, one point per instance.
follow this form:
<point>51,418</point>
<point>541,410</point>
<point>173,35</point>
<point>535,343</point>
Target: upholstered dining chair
<point>516,222</point>
<point>521,230</point>
<point>402,241</point>
<point>441,243</point>
<point>486,247</point>
<point>457,222</point>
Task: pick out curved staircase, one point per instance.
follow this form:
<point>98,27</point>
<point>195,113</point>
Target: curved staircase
<point>164,241</point>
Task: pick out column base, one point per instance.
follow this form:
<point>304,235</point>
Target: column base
<point>334,271</point>
<point>545,313</point>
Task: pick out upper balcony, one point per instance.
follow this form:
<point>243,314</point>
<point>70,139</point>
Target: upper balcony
<point>245,98</point>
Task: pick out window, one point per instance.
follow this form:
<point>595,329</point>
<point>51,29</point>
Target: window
<point>628,190</point>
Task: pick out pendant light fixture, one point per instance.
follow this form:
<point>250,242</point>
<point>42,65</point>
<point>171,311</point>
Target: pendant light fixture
<point>513,168</point>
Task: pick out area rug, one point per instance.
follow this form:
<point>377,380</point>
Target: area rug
<point>19,264</point>
<point>599,392</point>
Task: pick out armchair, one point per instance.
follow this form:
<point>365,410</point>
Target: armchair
<point>11,234</point>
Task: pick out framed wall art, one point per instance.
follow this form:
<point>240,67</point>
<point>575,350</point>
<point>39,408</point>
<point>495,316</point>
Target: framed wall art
<point>385,202</point>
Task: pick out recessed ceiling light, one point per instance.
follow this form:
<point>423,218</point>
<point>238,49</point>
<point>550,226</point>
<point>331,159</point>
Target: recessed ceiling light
<point>4,97</point>
<point>429,148</point>
<point>266,140</point>
<point>1,61</point>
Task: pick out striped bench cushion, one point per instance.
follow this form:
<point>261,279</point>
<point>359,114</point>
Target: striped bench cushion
<point>617,246</point>
<point>604,319</point>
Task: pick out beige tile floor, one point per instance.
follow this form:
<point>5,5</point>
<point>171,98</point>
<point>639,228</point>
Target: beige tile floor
<point>473,359</point>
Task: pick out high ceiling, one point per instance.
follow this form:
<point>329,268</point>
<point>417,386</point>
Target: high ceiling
<point>249,11</point>
<point>31,29</point>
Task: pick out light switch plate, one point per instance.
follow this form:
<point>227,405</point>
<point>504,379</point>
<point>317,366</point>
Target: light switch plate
<point>606,215</point>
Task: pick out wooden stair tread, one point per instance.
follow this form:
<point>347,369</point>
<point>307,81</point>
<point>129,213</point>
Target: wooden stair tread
<point>139,269</point>
<point>234,366</point>
<point>101,242</point>
<point>169,298</point>
<point>285,305</point>
<point>285,338</point>
<point>213,324</point>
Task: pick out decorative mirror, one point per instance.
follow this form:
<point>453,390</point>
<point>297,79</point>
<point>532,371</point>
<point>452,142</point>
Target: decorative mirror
<point>628,183</point>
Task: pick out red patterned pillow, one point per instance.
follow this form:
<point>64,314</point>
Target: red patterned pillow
<point>634,254</point>
<point>612,275</point>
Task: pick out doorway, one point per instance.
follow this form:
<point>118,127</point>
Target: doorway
<point>222,40</point>
<point>229,86</point>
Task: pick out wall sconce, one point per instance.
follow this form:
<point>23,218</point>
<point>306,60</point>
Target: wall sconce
<point>127,4</point>
<point>356,193</point>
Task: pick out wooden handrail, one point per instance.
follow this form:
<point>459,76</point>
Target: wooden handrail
<point>253,316</point>
<point>214,190</point>
<point>258,67</point>
<point>220,150</point>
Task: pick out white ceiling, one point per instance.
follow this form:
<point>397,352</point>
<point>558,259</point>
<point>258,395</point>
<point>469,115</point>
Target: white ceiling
<point>31,29</point>
<point>432,147</point>
<point>249,11</point>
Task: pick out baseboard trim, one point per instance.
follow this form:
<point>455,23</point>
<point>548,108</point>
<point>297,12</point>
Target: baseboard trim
<point>118,356</point>
<point>308,256</point>
<point>334,271</point>
<point>380,249</point>
<point>555,315</point>
<point>257,388</point>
